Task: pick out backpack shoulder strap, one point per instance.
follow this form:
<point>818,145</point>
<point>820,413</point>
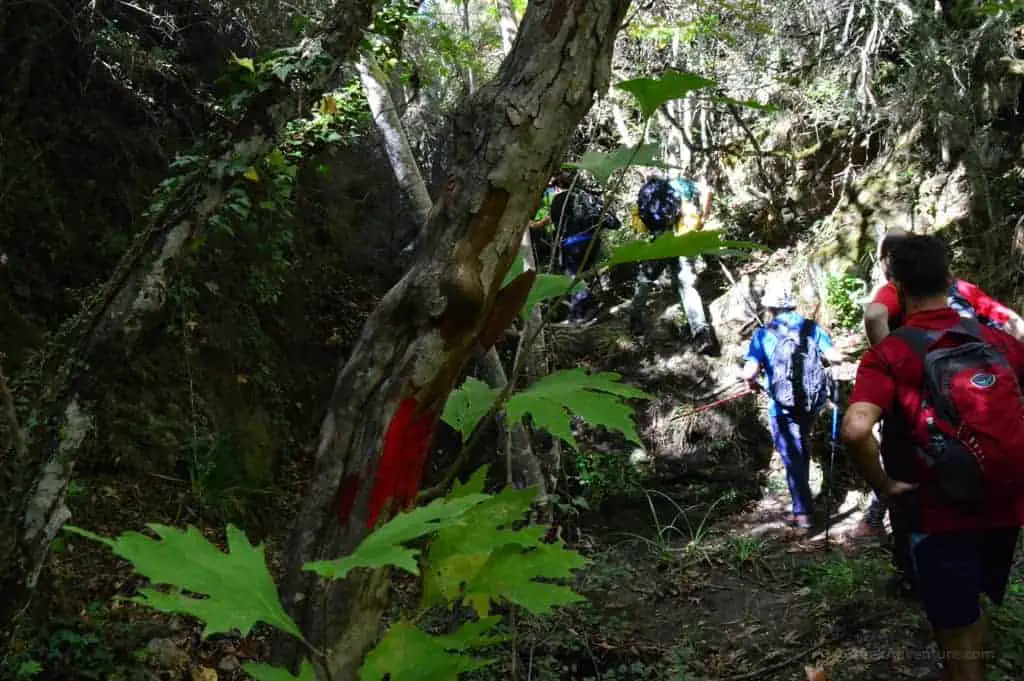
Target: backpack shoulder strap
<point>807,328</point>
<point>970,326</point>
<point>919,340</point>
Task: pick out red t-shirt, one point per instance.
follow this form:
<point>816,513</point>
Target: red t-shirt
<point>890,376</point>
<point>987,307</point>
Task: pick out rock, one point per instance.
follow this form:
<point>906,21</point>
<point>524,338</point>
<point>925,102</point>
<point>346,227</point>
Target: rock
<point>165,654</point>
<point>229,664</point>
<point>203,674</point>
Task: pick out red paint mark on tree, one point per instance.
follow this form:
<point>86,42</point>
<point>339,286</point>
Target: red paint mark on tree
<point>347,497</point>
<point>400,469</point>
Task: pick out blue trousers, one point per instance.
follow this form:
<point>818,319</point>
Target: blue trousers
<point>792,438</point>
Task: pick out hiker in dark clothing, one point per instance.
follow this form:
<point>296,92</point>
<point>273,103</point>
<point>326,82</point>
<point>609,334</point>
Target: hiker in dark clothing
<point>572,221</point>
<point>789,350</point>
<point>672,206</point>
<point>541,222</point>
<point>948,387</point>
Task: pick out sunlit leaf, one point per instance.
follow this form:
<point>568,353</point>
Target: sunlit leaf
<point>651,93</point>
<point>244,62</point>
<point>510,574</point>
<point>467,405</point>
<point>596,398</point>
<point>679,246</point>
<point>384,546</point>
<point>603,164</point>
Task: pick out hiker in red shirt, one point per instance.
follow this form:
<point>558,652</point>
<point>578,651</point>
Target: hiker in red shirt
<point>884,314</point>
<point>963,519</point>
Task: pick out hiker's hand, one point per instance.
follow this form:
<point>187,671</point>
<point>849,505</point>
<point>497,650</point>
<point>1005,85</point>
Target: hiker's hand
<point>893,489</point>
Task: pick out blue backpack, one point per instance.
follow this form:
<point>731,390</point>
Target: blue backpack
<point>799,384</point>
<point>660,203</point>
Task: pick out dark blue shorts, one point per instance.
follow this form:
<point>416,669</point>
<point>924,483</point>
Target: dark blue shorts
<point>954,568</point>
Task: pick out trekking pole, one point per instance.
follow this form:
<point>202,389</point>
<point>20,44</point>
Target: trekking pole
<point>832,461</point>
<point>714,404</point>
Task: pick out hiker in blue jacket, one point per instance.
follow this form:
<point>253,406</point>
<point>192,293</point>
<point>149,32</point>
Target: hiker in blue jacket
<point>788,351</point>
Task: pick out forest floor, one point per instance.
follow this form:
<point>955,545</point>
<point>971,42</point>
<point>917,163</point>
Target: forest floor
<point>694,577</point>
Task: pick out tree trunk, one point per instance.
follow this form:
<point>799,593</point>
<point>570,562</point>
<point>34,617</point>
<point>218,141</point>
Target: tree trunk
<point>507,139</point>
<point>507,24</point>
<point>33,483</point>
<point>410,181</point>
<point>396,144</point>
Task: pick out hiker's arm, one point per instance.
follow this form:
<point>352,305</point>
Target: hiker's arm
<point>752,360</point>
<point>1014,326</point>
<point>876,322</point>
<point>827,347</point>
<point>858,426</point>
<point>873,392</point>
<point>833,356</point>
<point>988,307</point>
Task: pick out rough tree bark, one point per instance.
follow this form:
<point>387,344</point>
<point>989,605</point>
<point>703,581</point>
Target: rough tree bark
<point>507,141</point>
<point>33,483</point>
<point>410,181</point>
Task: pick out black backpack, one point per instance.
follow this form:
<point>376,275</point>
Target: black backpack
<point>799,382</point>
<point>580,209</point>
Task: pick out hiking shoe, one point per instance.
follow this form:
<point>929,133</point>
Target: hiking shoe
<point>802,522</point>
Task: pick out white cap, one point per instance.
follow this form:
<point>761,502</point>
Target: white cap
<point>779,295</point>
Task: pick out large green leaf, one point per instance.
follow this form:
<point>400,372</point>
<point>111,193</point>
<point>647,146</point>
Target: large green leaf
<point>517,268</point>
<point>407,653</point>
<point>266,672</point>
<point>239,590</point>
<point>593,397</point>
<point>603,164</point>
<point>510,572</point>
<point>458,553</point>
<point>672,246</point>
<point>546,287</point>
<point>651,93</point>
<point>467,405</point>
<point>384,546</point>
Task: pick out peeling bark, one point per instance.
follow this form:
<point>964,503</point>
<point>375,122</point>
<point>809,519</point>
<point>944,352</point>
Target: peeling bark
<point>34,486</point>
<point>410,182</point>
<point>507,142</point>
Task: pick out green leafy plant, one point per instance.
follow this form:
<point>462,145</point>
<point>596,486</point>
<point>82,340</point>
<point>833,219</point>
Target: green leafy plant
<point>842,294</point>
<point>842,579</point>
<point>475,557</point>
<point>603,474</point>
